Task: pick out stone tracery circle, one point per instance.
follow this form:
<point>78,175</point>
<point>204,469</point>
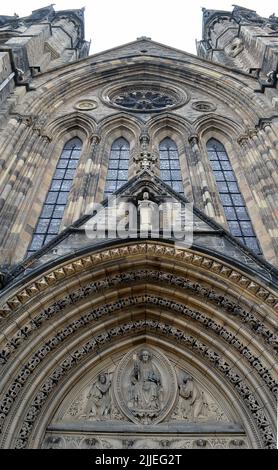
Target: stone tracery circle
<point>144,98</point>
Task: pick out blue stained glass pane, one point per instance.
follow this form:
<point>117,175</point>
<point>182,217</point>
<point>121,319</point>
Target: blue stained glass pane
<point>164,164</point>
<point>169,159</point>
<point>219,176</point>
<point>233,203</point>
<point>242,213</point>
<point>62,198</point>
<point>112,174</point>
<point>247,228</point>
<point>53,209</point>
<point>66,185</point>
<point>222,156</point>
<point>59,174</point>
<point>72,164</point>
<point>69,174</point>
<point>237,200</point>
<point>47,211</point>
<point>230,213</point>
<point>117,173</point>
<point>66,154</point>
<point>176,175</point>
<point>229,176</point>
<point>113,164</point>
<point>233,187</point>
<point>226,166</point>
<point>226,200</point>
<point>58,212</point>
<point>122,175</point>
<point>110,186</point>
<point>51,197</point>
<point>252,243</point>
<point>37,242</point>
<point>48,239</point>
<point>62,163</point>
<point>222,187</point>
<point>234,228</point>
<point>123,164</point>
<point>175,164</point>
<point>42,226</point>
<point>215,165</point>
<point>54,226</point>
<point>165,175</point>
<point>178,186</point>
<point>55,185</point>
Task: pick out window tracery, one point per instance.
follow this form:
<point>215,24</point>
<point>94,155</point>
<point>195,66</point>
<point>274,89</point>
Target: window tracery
<point>54,206</point>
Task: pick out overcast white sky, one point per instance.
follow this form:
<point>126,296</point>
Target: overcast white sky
<point>110,23</point>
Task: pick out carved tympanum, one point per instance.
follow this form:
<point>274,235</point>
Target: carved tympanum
<point>145,386</point>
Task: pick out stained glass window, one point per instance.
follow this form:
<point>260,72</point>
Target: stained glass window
<point>54,206</point>
<point>170,171</point>
<point>233,203</point>
<point>117,174</point>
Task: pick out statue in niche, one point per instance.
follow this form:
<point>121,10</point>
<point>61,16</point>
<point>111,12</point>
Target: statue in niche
<point>99,399</point>
<point>193,404</point>
<point>148,214</point>
<point>145,386</point>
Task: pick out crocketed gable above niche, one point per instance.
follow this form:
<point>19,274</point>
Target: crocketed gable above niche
<point>144,96</point>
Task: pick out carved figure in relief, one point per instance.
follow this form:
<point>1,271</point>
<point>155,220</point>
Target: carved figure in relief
<point>99,399</point>
<point>193,404</point>
<point>145,384</point>
<point>148,215</point>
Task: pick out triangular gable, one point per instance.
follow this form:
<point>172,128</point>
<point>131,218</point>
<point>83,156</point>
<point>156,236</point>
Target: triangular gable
<point>208,236</point>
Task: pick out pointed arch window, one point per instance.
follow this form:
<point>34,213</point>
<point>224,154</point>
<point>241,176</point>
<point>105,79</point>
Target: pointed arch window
<point>117,174</point>
<point>54,206</point>
<point>170,171</point>
<point>233,203</point>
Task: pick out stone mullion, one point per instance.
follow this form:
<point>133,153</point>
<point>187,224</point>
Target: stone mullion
<point>247,155</point>
<point>18,203</point>
<point>9,154</point>
<point>202,189</point>
<point>268,156</point>
<point>90,179</point>
<point>12,187</point>
<point>264,176</point>
<point>267,132</point>
<point>31,195</point>
<point>79,194</point>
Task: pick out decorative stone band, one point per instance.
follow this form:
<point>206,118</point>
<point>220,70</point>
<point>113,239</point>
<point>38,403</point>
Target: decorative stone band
<point>175,335</point>
<point>146,275</point>
<point>99,313</point>
<point>189,257</point>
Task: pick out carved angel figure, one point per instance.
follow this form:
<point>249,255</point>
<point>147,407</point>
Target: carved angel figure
<point>99,400</point>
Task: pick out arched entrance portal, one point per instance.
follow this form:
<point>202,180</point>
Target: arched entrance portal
<point>138,343</point>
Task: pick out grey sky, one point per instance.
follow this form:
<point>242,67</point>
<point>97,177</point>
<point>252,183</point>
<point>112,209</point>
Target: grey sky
<point>110,23</point>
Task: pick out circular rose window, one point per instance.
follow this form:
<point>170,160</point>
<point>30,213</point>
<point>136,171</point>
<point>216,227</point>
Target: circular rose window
<point>144,99</point>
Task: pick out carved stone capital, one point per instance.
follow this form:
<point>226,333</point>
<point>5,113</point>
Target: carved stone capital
<point>95,139</point>
<point>193,139</point>
<point>242,139</point>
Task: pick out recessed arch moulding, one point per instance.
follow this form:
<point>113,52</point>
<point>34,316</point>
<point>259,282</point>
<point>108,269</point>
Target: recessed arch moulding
<point>126,336</point>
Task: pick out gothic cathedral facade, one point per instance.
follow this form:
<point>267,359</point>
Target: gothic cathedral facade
<point>138,237</point>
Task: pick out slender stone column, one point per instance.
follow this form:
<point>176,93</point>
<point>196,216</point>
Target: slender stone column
<point>265,227</point>
<point>85,184</point>
<point>200,185</point>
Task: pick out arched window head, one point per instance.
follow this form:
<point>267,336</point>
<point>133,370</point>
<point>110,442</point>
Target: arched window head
<point>233,203</point>
<point>117,174</point>
<point>54,206</point>
<point>170,171</point>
